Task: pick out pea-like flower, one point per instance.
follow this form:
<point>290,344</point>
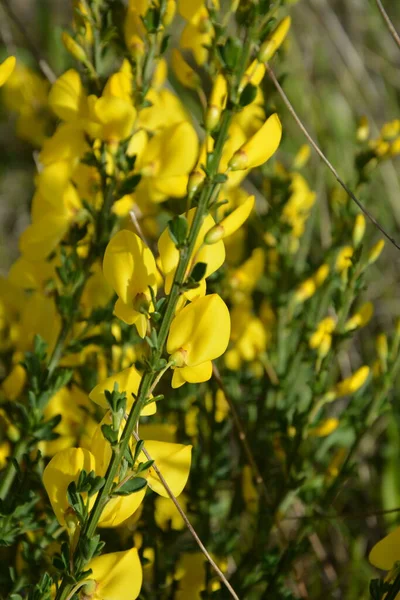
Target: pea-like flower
<point>198,334</point>
<point>113,575</point>
<point>129,267</point>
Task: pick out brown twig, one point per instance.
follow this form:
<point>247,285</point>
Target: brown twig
<point>388,22</point>
<point>188,524</point>
<point>43,64</point>
<point>325,160</point>
<point>314,540</point>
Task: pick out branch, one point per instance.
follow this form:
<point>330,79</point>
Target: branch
<point>388,22</point>
<point>188,523</point>
<point>325,160</point>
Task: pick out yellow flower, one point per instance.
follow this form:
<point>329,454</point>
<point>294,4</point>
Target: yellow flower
<point>213,256</point>
<point>64,468</point>
<point>166,514</point>
<point>198,334</point>
<point>386,552</point>
<point>274,40</point>
<point>129,267</point>
<point>114,574</point>
<point>67,97</point>
<point>343,260</point>
<point>326,326</point>
<point>6,68</point>
<point>259,148</point>
<point>166,162</point>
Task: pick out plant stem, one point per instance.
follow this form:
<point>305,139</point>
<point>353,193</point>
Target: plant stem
<point>10,472</point>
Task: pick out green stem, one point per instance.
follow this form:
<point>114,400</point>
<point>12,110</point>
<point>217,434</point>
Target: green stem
<point>10,472</point>
<point>150,378</point>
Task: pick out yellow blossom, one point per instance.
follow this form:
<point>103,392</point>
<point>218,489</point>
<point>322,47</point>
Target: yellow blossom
<point>260,147</point>
<point>193,341</point>
<point>129,267</point>
<point>114,574</point>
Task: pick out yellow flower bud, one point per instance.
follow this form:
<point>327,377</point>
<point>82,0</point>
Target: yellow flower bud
<point>325,428</point>
<point>73,47</point>
<point>390,130</point>
<point>254,75</point>
<point>361,317</point>
<point>363,129</point>
<point>375,252</point>
<point>169,13</point>
<point>321,274</point>
<point>358,230</point>
<point>351,384</point>
<point>302,157</point>
<point>274,40</point>
<point>217,103</point>
<point>305,290</point>
<point>382,348</point>
<point>260,147</point>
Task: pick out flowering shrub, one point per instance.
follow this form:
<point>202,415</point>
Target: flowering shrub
<point>176,403</point>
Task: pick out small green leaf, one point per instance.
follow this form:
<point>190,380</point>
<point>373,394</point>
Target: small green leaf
<point>131,486</point>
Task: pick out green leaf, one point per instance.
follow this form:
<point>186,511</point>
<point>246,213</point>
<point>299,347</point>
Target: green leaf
<point>131,486</point>
<point>178,228</point>
<point>199,271</point>
<point>248,95</point>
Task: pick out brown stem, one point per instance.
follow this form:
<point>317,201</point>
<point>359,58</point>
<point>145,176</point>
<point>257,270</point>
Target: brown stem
<point>325,160</point>
<point>188,524</point>
<point>388,22</point>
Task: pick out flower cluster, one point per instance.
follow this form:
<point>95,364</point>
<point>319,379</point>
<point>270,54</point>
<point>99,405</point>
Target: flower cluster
<point>169,290</point>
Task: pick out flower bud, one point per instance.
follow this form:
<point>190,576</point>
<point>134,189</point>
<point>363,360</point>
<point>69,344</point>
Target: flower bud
<point>358,230</point>
<point>73,47</point>
<point>375,252</point>
<point>274,41</point>
<point>260,147</point>
<point>169,13</point>
<point>214,235</point>
<point>382,348</point>
<point>196,178</point>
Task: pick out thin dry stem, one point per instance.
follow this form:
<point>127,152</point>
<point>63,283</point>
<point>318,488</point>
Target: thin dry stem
<point>388,22</point>
<point>325,159</point>
<point>188,524</point>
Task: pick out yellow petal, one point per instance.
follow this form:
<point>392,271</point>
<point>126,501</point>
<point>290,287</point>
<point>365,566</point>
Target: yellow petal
<point>183,71</point>
<point>386,552</point>
<point>40,239</point>
<point>6,68</point>
<point>202,372</point>
<point>213,256</point>
<point>129,266</point>
<point>232,222</point>
<point>173,461</point>
<point>260,147</point>
<point>67,97</point>
<point>201,330</point>
<point>117,117</point>
<point>119,509</point>
<point>117,573</point>
<point>128,381</point>
<point>64,468</point>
